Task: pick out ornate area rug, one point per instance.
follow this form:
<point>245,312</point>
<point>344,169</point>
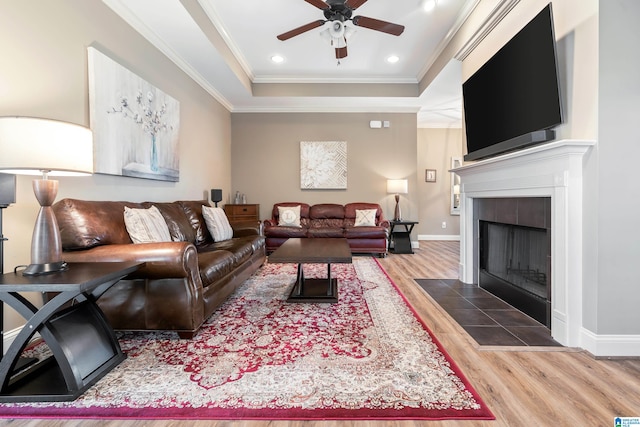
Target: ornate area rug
<point>366,357</point>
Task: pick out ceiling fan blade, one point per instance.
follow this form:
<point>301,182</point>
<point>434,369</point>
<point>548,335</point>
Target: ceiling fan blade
<point>378,25</point>
<point>354,4</point>
<point>341,52</point>
<point>300,30</point>
<point>319,4</point>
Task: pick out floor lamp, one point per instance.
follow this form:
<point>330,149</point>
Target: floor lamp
<point>33,146</point>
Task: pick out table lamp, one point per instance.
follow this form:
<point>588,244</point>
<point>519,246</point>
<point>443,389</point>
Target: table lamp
<point>34,146</point>
<point>397,187</point>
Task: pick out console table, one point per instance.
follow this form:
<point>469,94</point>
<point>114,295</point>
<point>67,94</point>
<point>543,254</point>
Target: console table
<point>402,237</point>
<point>83,344</point>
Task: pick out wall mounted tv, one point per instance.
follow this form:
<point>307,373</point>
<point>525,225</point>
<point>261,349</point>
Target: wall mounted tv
<point>513,100</point>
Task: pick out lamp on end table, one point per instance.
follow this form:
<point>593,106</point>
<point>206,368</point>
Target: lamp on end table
<point>34,146</point>
<point>397,187</point>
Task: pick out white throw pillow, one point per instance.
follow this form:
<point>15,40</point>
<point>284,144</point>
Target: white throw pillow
<point>146,225</point>
<point>289,216</point>
<point>217,223</point>
<point>365,218</point>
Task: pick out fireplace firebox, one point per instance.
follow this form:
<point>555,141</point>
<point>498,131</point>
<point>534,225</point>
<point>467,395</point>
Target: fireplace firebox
<point>515,253</point>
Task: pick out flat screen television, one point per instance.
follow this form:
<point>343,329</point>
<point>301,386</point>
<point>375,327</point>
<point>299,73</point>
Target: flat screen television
<point>513,100</point>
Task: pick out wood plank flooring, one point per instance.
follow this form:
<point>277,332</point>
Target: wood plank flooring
<point>522,388</point>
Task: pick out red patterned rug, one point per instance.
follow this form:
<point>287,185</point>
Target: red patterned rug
<point>366,357</point>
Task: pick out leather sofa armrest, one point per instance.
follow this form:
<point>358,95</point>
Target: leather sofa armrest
<point>246,228</point>
<point>269,223</point>
<point>384,223</point>
<point>161,260</point>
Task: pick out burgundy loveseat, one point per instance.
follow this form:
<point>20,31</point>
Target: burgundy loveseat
<point>330,220</point>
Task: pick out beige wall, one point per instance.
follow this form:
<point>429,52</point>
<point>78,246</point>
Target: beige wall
<point>435,149</point>
<point>44,74</point>
<point>266,157</point>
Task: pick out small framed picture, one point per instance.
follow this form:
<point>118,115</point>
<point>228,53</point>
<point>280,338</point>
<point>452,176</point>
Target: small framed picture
<point>430,175</point>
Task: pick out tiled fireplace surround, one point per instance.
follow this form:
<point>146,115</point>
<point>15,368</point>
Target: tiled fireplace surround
<point>549,170</point>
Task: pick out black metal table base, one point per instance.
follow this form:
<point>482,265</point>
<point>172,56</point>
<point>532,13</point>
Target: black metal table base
<point>83,345</point>
<point>315,290</point>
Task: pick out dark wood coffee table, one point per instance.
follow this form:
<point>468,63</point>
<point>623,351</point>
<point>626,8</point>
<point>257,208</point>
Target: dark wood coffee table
<point>313,251</point>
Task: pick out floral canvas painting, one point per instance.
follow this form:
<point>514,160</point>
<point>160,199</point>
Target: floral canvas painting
<point>323,165</point>
<point>135,125</point>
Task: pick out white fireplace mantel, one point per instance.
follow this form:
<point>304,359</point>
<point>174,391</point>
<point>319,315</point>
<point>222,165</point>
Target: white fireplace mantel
<point>549,170</point>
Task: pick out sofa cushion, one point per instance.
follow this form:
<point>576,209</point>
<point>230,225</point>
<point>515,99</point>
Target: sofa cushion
<point>193,211</point>
<point>289,216</point>
<point>214,265</point>
<point>326,232</point>
<point>177,221</point>
<point>146,225</point>
<point>217,223</point>
<point>86,224</point>
<point>365,233</point>
<point>242,248</point>
<point>326,211</point>
<point>350,212</point>
<point>365,217</point>
<point>286,231</point>
<point>304,212</point>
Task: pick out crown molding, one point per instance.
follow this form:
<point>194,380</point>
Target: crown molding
<point>498,13</point>
<point>120,8</point>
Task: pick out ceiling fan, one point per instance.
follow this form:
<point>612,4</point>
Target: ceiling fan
<point>338,12</point>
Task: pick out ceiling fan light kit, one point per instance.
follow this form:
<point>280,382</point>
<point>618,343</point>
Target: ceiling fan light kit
<point>337,13</point>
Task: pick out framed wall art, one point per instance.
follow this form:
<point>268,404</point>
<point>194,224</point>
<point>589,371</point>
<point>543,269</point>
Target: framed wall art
<point>323,165</point>
<point>430,175</point>
<point>135,125</point>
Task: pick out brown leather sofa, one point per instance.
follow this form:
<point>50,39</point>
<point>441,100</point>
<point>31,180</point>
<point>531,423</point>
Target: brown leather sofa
<point>330,220</point>
<point>181,282</point>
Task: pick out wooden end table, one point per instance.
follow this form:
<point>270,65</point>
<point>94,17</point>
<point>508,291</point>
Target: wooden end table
<point>401,237</point>
<point>83,344</point>
<point>313,251</point>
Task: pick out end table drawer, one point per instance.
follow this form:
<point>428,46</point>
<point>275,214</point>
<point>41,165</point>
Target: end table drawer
<point>247,212</point>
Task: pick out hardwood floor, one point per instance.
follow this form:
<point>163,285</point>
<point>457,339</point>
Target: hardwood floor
<point>522,388</point>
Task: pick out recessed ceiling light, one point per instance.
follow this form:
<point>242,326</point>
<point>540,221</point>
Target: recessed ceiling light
<point>429,5</point>
<point>393,59</point>
<point>277,59</point>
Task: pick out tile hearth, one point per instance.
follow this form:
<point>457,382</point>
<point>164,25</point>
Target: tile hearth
<point>485,317</point>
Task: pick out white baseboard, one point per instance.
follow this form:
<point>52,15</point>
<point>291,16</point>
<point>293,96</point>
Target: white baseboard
<point>610,345</point>
<point>452,237</point>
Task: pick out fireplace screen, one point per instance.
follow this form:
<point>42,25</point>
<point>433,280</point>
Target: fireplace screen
<point>517,255</point>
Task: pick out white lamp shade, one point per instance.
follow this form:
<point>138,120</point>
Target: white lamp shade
<point>30,146</point>
<point>397,186</point>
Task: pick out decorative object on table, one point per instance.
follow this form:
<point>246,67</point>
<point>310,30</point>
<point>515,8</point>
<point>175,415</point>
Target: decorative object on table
<point>136,125</point>
<point>368,356</point>
<point>323,165</point>
<point>397,187</point>
<point>456,162</point>
<point>216,196</point>
<point>33,146</point>
<point>430,175</point>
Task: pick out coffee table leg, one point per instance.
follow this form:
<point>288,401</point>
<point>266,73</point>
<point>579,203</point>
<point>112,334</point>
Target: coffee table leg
<point>300,280</point>
<point>329,284</point>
